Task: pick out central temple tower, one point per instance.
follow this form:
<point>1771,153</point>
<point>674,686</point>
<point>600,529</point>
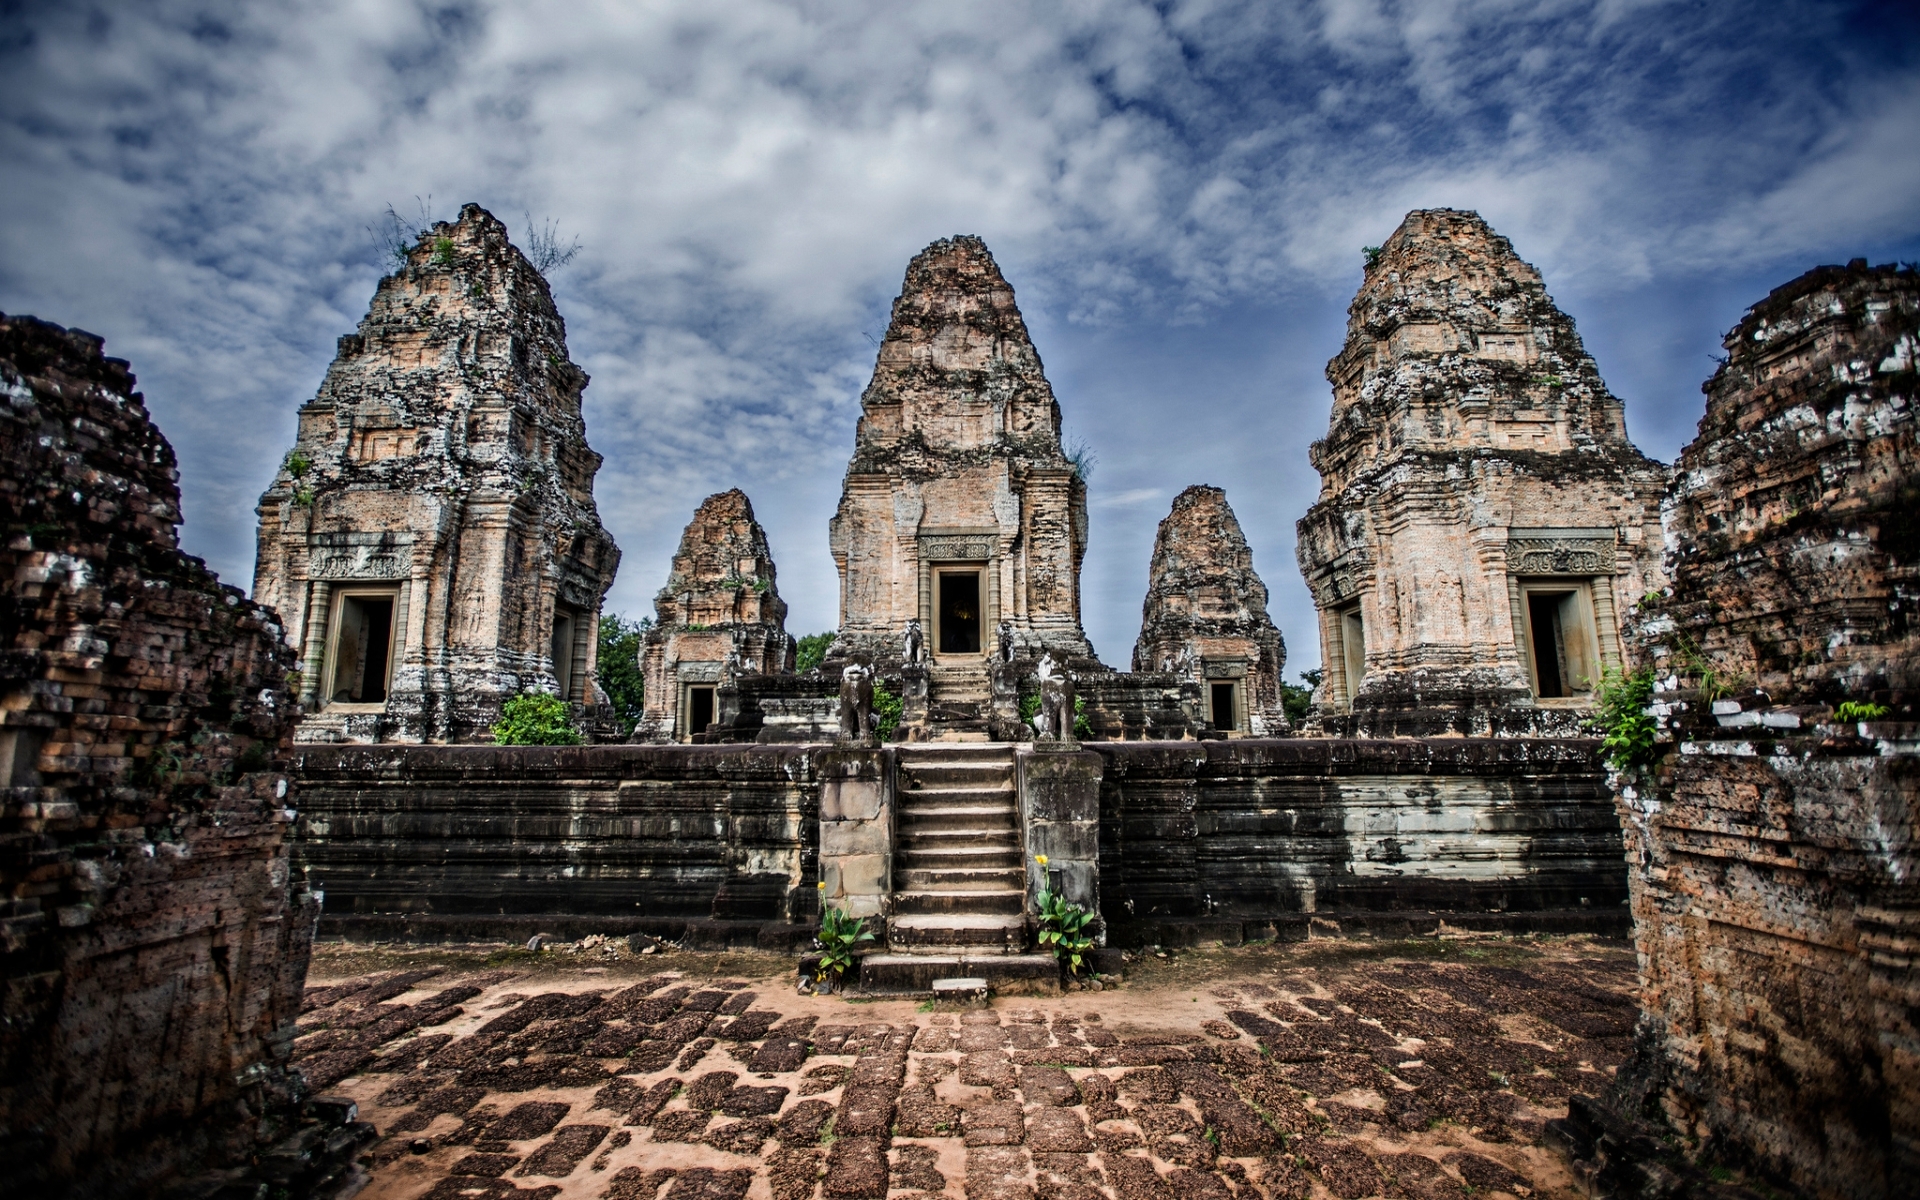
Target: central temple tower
<point>959,509</point>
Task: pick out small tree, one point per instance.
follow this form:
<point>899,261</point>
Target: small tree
<point>619,666</point>
<point>535,719</point>
<point>811,651</point>
<point>1297,698</point>
<point>887,708</point>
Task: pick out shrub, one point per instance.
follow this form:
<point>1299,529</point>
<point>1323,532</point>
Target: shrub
<point>811,651</point>
<point>443,252</point>
<point>1082,459</point>
<point>1371,254</point>
<point>887,707</point>
<point>1850,711</point>
<point>1627,731</point>
<point>535,719</point>
<point>619,666</point>
<point>297,464</point>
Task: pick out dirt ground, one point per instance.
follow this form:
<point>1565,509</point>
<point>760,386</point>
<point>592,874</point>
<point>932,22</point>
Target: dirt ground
<point>1394,1069</point>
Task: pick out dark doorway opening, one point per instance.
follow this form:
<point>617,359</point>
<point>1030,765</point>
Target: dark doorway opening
<point>699,709</point>
<point>1223,706</point>
<point>960,612</point>
<point>363,650</point>
<point>1543,629</point>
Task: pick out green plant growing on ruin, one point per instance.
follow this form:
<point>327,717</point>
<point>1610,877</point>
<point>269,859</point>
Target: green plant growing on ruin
<point>840,932</point>
<point>443,252</point>
<point>1552,381</point>
<point>618,667</point>
<point>696,627</point>
<point>1082,459</point>
<point>1063,927</point>
<point>811,651</point>
<point>1714,684</point>
<point>297,464</point>
<point>1371,254</point>
<point>303,497</point>
<point>886,709</point>
<point>535,719</point>
<point>1628,732</point>
<point>1850,711</point>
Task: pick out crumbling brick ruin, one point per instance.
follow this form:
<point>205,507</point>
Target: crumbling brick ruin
<point>1482,518</point>
<point>719,617</point>
<point>153,942</point>
<point>1205,617</point>
<point>1771,850</point>
<point>959,509</point>
<point>432,541</point>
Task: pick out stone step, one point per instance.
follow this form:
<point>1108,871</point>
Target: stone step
<point>915,974</point>
<point>961,793</point>
<point>933,879</point>
<point>964,855</point>
<point>1003,902</point>
<point>957,774</point>
<point>958,816</point>
<point>1005,838</point>
<point>990,932</point>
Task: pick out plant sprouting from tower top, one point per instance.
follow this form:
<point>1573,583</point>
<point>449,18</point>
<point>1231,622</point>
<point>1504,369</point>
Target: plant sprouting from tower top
<point>544,248</point>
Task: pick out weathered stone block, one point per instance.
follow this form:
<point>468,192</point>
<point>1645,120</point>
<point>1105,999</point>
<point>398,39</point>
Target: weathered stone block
<point>850,799</point>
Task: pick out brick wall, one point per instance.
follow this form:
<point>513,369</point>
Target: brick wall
<point>153,944</point>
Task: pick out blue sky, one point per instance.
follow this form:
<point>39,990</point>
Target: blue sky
<point>1178,191</point>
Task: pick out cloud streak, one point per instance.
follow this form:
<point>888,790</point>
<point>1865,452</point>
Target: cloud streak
<point>749,178</point>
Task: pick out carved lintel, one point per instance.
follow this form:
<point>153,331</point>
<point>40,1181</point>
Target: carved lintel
<point>1561,555</point>
<point>956,547</point>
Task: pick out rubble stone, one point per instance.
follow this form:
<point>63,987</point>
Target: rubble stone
<point>153,942</point>
<point>1771,851</point>
<point>959,509</point>
<point>431,541</point>
<point>1482,516</point>
<point>1205,617</point>
<point>719,617</point>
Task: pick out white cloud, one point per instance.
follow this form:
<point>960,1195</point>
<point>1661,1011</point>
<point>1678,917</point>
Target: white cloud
<point>750,177</point>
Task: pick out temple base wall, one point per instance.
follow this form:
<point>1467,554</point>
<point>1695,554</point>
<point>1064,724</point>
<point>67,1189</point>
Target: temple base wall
<point>1228,839</point>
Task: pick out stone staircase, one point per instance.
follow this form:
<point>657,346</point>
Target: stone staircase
<point>959,882</point>
<point>958,879</point>
<point>958,699</point>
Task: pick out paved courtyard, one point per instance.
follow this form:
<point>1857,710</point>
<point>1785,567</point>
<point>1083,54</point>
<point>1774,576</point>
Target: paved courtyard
<point>1407,1069</point>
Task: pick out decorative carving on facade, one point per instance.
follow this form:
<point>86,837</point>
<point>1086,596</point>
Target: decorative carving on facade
<point>1586,554</point>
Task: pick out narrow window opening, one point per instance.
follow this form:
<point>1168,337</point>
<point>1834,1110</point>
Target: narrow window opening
<point>959,612</point>
<point>699,709</point>
<point>363,650</point>
<point>1224,714</point>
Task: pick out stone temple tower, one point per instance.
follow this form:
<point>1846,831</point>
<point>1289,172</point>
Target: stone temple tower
<point>431,542</point>
<point>959,509</point>
<point>1205,618</point>
<point>1483,519</point>
<point>720,616</point>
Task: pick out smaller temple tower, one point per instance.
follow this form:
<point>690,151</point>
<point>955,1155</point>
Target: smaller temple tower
<point>1205,618</point>
<point>1482,519</point>
<point>431,541</point>
<point>719,617</point>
